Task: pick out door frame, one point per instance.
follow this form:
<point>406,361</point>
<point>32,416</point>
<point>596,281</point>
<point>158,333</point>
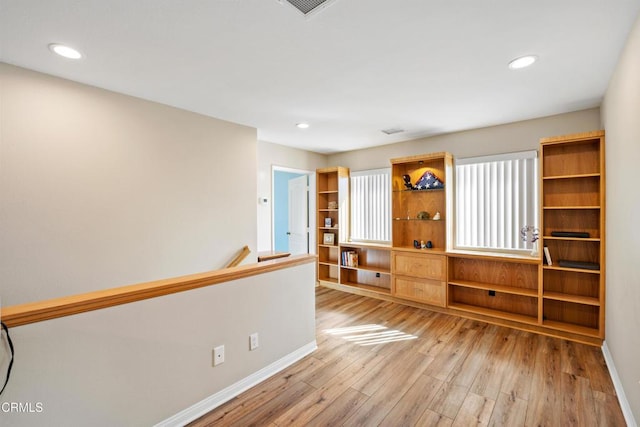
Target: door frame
<point>311,218</point>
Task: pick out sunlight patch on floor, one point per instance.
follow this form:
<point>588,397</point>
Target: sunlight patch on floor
<point>370,334</point>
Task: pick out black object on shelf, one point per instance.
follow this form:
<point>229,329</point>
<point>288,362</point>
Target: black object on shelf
<point>579,264</point>
<point>578,234</point>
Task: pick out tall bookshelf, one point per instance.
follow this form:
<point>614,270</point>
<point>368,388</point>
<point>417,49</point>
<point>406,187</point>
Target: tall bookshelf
<point>573,229</point>
<point>332,204</point>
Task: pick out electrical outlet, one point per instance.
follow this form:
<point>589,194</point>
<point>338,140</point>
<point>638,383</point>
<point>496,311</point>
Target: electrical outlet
<point>218,355</point>
<point>492,293</point>
<point>253,341</point>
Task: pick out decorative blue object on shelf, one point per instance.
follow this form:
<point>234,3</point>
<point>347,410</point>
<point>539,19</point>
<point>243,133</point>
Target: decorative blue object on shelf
<point>428,181</point>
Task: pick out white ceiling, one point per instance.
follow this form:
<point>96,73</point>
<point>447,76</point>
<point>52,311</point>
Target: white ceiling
<point>350,70</point>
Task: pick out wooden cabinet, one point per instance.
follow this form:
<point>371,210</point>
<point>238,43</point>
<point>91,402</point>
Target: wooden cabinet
<point>332,204</point>
<point>573,220</point>
<point>420,277</point>
<point>366,266</point>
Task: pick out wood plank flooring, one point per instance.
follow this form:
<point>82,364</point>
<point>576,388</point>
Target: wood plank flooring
<point>441,371</point>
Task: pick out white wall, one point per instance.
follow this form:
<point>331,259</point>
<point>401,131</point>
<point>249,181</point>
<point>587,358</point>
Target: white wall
<point>99,189</point>
<point>518,136</point>
<point>141,363</point>
<point>270,155</point>
<point>621,118</point>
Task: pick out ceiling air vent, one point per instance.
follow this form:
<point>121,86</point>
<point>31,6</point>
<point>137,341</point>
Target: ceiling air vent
<point>309,6</point>
<point>391,131</point>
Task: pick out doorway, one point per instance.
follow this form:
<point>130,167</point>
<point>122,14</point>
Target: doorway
<point>291,219</point>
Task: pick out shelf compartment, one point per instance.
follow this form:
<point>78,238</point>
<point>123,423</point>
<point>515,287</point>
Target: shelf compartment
<point>573,220</point>
<point>571,315</point>
<point>480,299</point>
<point>531,320</point>
<point>575,250</point>
<point>328,272</point>
<point>415,168</point>
<point>510,274</point>
<point>328,254</point>
<point>572,192</point>
<point>361,277</point>
<point>567,327</point>
<point>405,232</point>
<point>376,259</point>
<point>571,283</point>
<point>497,288</point>
<point>575,158</point>
<point>407,204</point>
<point>327,182</point>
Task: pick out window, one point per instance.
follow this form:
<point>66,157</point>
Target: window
<point>371,205</point>
<point>496,196</point>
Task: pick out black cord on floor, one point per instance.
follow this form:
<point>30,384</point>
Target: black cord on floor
<point>6,331</point>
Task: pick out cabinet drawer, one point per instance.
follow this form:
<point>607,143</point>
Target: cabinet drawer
<point>421,290</point>
<point>426,266</point>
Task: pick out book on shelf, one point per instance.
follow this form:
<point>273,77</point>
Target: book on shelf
<point>350,259</point>
<point>547,255</point>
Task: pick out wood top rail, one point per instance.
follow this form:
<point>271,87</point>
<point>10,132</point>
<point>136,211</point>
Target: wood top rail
<point>24,314</point>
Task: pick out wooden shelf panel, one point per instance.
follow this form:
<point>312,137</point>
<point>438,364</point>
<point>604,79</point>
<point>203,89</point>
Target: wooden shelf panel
<point>574,239</point>
<point>367,268</point>
<point>330,263</point>
<point>575,176</point>
<point>577,299</point>
<point>495,313</point>
<point>571,207</point>
<point>569,327</point>
<point>498,288</point>
<point>371,288</point>
<point>328,192</point>
<point>575,270</point>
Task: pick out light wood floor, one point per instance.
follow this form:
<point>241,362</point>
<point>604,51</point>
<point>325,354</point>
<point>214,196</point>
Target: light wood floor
<point>455,372</point>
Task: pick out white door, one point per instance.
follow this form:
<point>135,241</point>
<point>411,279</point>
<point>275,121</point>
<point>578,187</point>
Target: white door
<point>298,211</point>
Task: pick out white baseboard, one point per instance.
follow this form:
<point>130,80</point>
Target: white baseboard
<point>217,399</point>
<point>617,384</point>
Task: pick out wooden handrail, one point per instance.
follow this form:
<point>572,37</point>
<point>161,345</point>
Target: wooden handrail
<point>240,257</point>
<point>33,312</point>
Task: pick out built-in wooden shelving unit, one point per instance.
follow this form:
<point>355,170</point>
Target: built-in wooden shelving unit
<point>565,299</point>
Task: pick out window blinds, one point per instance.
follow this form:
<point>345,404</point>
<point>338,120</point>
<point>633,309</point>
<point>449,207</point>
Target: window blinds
<point>371,205</point>
<point>496,196</point>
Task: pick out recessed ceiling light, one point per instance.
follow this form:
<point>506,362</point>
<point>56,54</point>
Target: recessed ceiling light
<point>66,51</point>
<point>302,125</point>
<point>522,62</point>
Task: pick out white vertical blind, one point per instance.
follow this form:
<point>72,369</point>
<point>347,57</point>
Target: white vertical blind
<point>496,196</point>
<point>371,205</point>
